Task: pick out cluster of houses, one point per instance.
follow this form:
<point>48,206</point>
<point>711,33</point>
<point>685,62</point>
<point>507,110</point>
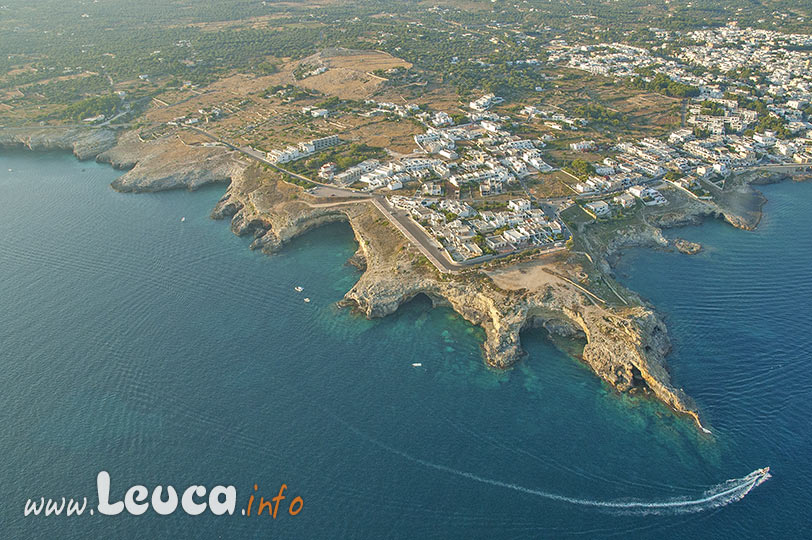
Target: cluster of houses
<point>466,233</point>
<point>783,59</point>
<point>627,199</point>
<point>771,66</point>
<point>607,59</point>
<point>387,107</point>
<point>301,150</point>
<point>491,159</point>
<point>692,159</point>
<point>556,120</point>
<point>729,118</point>
<point>395,174</point>
<point>719,155</point>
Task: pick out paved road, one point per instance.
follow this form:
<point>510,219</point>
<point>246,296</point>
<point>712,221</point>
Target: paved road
<point>776,167</point>
<point>399,218</point>
<point>417,236</point>
<point>331,191</point>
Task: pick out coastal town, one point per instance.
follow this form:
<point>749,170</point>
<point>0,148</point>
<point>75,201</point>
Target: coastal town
<point>458,153</point>
<point>466,181</point>
<point>483,176</point>
<point>473,233</point>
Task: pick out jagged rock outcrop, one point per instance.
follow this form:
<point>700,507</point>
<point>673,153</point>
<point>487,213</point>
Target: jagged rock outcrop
<point>637,237</point>
<point>167,163</point>
<point>272,211</point>
<point>687,247</point>
<point>626,347</point>
<point>85,143</point>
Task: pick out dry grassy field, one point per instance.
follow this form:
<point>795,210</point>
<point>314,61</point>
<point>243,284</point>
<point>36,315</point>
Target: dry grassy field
<point>349,73</point>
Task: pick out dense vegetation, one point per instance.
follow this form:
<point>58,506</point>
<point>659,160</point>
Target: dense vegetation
<point>661,83</point>
<point>712,108</point>
<point>343,156</point>
<point>92,106</point>
<point>580,168</point>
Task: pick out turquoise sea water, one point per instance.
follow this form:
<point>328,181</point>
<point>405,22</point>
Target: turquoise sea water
<point>166,352</point>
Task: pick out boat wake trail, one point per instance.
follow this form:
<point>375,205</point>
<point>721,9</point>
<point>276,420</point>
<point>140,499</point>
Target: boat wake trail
<point>714,497</point>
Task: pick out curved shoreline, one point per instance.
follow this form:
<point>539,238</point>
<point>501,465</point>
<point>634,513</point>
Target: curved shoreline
<point>626,345</point>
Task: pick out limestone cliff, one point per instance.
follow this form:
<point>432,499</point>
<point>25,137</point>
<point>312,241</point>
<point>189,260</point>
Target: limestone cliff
<point>625,346</point>
<point>84,143</point>
<point>168,163</point>
<point>153,165</point>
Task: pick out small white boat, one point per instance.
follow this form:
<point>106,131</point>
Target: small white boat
<point>417,364</point>
<point>298,289</point>
<point>307,300</point>
<point>183,219</point>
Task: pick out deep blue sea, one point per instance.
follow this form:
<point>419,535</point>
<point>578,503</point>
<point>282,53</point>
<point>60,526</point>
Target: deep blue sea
<point>168,353</point>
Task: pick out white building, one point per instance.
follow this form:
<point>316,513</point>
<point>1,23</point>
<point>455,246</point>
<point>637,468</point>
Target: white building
<point>485,102</point>
<point>519,205</point>
<point>599,208</point>
<point>582,146</point>
<point>624,200</point>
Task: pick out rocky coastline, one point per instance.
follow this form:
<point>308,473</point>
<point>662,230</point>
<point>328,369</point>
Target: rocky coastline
<point>626,343</point>
<point>626,347</point>
<point>83,143</point>
<point>153,165</point>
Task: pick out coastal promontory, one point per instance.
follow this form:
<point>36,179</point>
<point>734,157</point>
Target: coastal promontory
<point>569,292</point>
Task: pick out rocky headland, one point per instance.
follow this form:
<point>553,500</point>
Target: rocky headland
<point>571,293</point>
<point>152,165</point>
<point>168,163</point>
<point>83,143</point>
<point>625,345</point>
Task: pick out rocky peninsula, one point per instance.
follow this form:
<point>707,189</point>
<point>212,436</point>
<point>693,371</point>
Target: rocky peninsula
<point>626,346</point>
<point>571,293</point>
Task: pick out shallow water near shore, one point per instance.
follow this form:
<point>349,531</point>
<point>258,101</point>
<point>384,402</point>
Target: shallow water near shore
<point>166,352</point>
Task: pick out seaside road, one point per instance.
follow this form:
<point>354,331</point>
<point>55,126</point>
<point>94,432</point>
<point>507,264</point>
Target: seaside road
<point>400,219</point>
<point>417,236</point>
<point>776,167</point>
<point>329,190</point>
